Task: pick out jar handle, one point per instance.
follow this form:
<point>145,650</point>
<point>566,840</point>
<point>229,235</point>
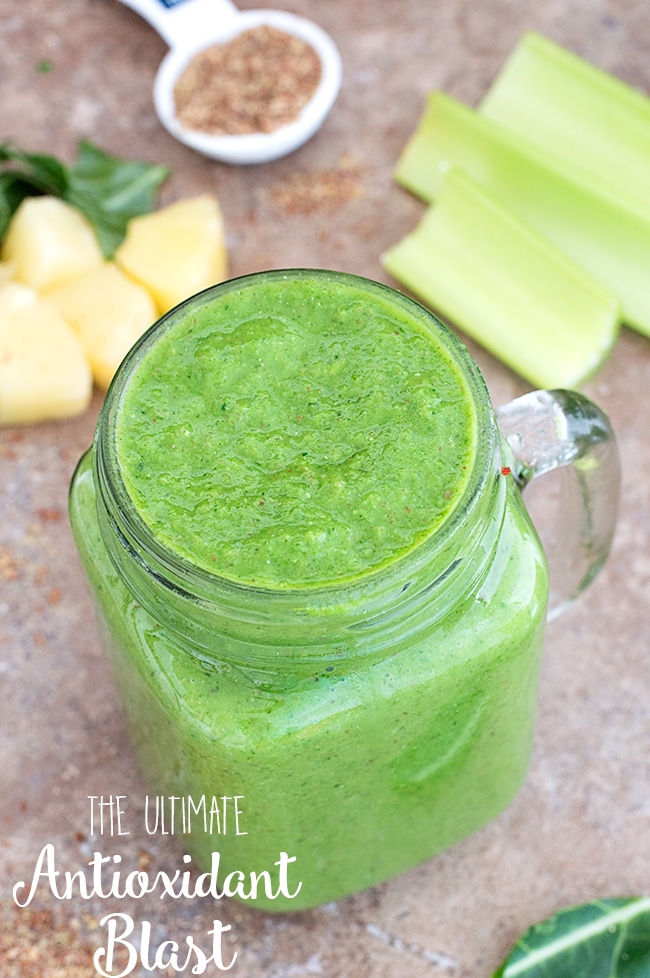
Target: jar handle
<point>562,429</point>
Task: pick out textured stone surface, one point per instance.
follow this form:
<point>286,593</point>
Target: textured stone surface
<point>579,827</point>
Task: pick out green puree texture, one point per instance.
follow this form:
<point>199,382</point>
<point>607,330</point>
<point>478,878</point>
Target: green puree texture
<point>295,432</point>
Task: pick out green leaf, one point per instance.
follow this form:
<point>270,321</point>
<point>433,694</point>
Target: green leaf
<point>108,190</point>
<point>601,939</point>
<point>45,173</point>
<point>13,190</point>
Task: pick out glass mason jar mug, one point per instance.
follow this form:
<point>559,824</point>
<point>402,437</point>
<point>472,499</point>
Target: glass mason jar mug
<point>318,586</point>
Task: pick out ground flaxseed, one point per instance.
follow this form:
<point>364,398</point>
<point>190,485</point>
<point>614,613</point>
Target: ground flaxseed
<point>319,191</point>
<point>257,82</point>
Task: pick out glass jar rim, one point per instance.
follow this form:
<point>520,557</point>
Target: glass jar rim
<point>182,575</point>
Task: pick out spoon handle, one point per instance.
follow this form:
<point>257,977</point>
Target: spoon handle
<point>183,23</point>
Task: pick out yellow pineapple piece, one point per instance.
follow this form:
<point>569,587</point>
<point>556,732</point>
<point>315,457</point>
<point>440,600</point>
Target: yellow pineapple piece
<point>176,251</point>
<point>43,370</point>
<point>48,241</point>
<point>108,311</point>
<point>7,271</point>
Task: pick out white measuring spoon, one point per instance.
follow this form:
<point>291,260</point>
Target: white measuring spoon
<point>188,26</point>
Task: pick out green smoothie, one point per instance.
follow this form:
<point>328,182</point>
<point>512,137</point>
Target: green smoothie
<point>296,433</point>
<point>317,590</point>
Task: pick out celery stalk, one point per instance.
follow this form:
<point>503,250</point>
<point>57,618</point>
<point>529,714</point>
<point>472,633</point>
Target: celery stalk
<point>595,124</point>
<point>506,286</point>
<point>609,240</point>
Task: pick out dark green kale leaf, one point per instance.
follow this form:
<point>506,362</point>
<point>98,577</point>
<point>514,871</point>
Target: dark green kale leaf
<point>601,939</point>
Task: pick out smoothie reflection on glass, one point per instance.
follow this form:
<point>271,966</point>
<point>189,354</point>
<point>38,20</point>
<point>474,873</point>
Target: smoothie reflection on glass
<point>317,583</point>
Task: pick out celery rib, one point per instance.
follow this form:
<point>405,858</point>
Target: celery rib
<point>610,241</point>
<point>507,287</point>
<point>594,124</point>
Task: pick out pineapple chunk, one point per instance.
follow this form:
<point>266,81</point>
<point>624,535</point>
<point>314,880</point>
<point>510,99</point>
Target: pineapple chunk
<point>49,241</point>
<point>176,251</point>
<point>108,311</point>
<point>7,271</point>
<point>43,370</point>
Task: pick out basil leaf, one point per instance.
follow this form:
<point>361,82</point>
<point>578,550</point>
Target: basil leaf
<point>38,174</point>
<point>108,190</point>
<point>13,190</point>
<point>601,939</point>
<point>45,173</point>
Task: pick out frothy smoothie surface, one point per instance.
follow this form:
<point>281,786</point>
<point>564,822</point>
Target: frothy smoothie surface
<point>295,430</point>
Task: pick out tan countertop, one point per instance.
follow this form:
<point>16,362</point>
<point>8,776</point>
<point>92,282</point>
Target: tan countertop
<point>579,827</point>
